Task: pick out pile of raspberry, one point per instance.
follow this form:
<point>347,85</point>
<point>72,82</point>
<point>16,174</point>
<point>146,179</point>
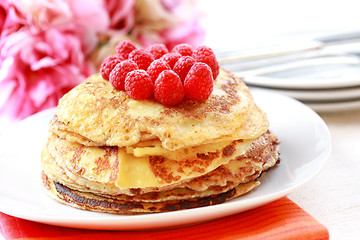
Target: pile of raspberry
<point>168,76</point>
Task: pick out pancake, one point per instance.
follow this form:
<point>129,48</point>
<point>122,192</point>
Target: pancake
<point>91,202</point>
<point>224,183</point>
<point>112,171</point>
<point>107,152</point>
<point>122,121</point>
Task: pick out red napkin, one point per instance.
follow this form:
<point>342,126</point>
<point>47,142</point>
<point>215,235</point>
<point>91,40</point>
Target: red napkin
<point>282,219</point>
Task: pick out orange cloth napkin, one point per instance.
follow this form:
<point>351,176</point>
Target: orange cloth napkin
<point>281,219</point>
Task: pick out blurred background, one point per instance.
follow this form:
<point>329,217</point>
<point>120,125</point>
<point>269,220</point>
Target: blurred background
<point>308,50</point>
<point>236,24</point>
<point>304,49</point>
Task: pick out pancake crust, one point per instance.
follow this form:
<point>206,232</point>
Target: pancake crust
<point>92,202</point>
<point>121,121</point>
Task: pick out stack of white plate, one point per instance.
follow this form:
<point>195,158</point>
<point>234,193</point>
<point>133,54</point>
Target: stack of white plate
<point>323,94</point>
<point>324,74</point>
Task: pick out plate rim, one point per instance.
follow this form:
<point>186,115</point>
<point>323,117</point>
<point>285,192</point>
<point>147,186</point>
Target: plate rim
<point>298,83</point>
<point>318,95</point>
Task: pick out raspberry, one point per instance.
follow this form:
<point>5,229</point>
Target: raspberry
<point>199,82</point>
<point>206,55</point>
<point>168,89</point>
<point>183,65</point>
<point>158,50</point>
<point>118,74</point>
<point>124,48</point>
<point>138,85</point>
<point>108,65</point>
<point>142,58</point>
<point>171,58</point>
<point>156,67</point>
<point>184,49</point>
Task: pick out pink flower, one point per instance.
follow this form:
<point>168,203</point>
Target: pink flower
<point>11,19</point>
<point>85,18</point>
<point>4,9</point>
<point>45,47</point>
<point>168,21</point>
<point>187,32</point>
<point>38,69</point>
<point>121,14</point>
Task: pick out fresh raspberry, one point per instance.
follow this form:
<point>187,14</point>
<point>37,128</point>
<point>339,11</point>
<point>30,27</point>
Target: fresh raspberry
<point>171,58</point>
<point>124,48</point>
<point>168,89</point>
<point>184,49</point>
<point>108,65</point>
<point>118,74</point>
<point>138,85</point>
<point>183,65</point>
<point>206,55</point>
<point>199,82</point>
<point>158,50</point>
<point>156,67</point>
<point>142,58</point>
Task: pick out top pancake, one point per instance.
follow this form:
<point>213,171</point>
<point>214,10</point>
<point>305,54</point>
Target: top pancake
<point>96,114</point>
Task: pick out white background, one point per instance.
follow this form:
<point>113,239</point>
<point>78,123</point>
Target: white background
<point>235,24</point>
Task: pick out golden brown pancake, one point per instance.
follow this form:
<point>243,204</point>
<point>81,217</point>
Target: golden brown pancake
<point>100,169</point>
<point>109,153</point>
<point>91,202</point>
<point>226,182</point>
<point>96,114</point>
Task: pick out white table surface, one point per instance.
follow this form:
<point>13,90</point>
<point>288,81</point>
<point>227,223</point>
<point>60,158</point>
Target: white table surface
<point>333,197</point>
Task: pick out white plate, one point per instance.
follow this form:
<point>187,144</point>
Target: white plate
<point>340,94</point>
<point>305,147</point>
<point>322,107</point>
<point>322,101</point>
<point>303,83</point>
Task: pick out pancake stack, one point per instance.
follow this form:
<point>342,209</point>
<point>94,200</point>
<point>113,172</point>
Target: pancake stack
<point>107,152</point>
